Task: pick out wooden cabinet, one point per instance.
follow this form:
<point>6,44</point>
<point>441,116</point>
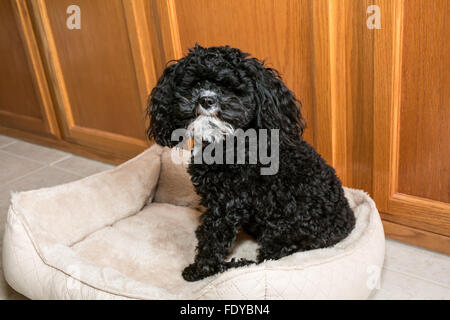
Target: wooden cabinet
<point>25,101</point>
<point>101,73</point>
<point>286,44</point>
<point>412,121</point>
<point>376,100</point>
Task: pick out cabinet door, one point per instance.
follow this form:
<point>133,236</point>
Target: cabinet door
<point>101,72</point>
<point>25,101</point>
<point>279,32</point>
<point>412,118</point>
<point>297,37</point>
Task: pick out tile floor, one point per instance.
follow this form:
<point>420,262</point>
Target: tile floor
<point>409,272</point>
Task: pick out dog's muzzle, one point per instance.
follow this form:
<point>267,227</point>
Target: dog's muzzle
<point>208,128</point>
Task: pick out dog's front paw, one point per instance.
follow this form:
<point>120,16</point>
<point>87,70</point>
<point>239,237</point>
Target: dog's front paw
<point>190,273</point>
<point>195,272</point>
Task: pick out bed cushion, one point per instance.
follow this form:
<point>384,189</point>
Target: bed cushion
<point>117,235</point>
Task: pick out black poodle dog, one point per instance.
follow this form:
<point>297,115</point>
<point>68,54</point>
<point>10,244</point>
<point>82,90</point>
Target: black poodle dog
<point>213,92</point>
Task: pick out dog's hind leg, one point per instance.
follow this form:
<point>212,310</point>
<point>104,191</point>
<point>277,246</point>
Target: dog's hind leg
<point>276,244</point>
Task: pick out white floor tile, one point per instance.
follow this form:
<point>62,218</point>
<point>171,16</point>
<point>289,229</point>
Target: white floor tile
<point>42,178</point>
<point>34,152</point>
<point>395,285</point>
<point>5,140</point>
<point>82,166</point>
<point>416,261</point>
<point>13,167</point>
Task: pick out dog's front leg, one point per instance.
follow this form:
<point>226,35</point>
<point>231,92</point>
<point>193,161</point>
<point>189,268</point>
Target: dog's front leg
<point>215,236</point>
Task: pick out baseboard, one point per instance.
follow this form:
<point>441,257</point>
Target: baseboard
<point>417,237</point>
<point>85,151</point>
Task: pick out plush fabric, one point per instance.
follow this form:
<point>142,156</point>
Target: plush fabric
<point>127,233</point>
<point>174,185</point>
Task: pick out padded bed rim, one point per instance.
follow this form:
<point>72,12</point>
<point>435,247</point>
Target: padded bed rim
<point>210,286</point>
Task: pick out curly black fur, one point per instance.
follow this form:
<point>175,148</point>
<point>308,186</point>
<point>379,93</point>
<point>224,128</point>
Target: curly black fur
<point>300,208</point>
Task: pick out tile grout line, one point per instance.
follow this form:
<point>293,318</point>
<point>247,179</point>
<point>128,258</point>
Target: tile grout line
<point>409,247</point>
<point>68,171</point>
<point>44,165</point>
<point>417,277</point>
<point>24,158</point>
<point>36,171</point>
<point>417,250</point>
<point>54,165</point>
<point>75,172</point>
<point>51,164</point>
<point>8,144</point>
<point>62,159</point>
<point>20,177</point>
<point>39,169</point>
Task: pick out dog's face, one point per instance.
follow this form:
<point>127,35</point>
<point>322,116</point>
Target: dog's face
<point>213,91</point>
<point>214,110</point>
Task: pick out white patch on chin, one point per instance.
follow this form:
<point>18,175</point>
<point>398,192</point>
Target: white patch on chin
<point>208,128</point>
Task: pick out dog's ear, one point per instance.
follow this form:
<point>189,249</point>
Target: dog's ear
<point>159,109</point>
<point>277,106</point>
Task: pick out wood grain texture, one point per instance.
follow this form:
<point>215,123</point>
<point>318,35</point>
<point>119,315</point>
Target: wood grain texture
<point>417,237</point>
<point>424,136</point>
<point>343,89</point>
<point>321,45</point>
<point>338,85</point>
<point>392,71</point>
<point>342,73</point>
<point>163,31</point>
<point>359,86</point>
<point>383,102</point>
<point>14,61</point>
<point>136,14</point>
<point>276,31</point>
<point>420,213</point>
<point>25,100</point>
<point>97,66</point>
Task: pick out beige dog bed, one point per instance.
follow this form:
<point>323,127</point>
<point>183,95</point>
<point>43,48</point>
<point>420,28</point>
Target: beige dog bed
<point>129,232</point>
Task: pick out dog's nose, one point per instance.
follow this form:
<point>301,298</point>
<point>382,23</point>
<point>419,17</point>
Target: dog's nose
<point>207,102</point>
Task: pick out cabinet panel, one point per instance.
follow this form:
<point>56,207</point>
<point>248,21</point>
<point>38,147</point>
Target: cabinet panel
<point>424,122</point>
<point>100,72</point>
<point>411,112</point>
<point>279,32</point>
<point>25,102</point>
